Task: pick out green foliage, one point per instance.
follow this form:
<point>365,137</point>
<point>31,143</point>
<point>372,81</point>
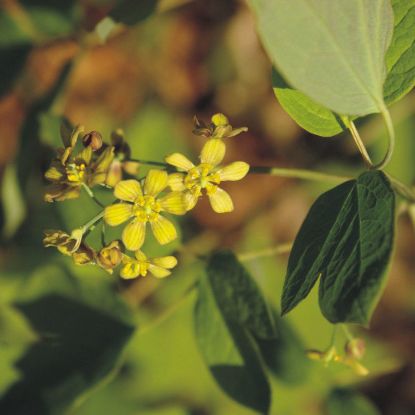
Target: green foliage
<point>228,312</point>
<point>131,12</point>
<point>68,357</point>
<point>348,402</point>
<point>307,113</point>
<point>284,355</point>
<point>346,239</point>
<point>348,76</point>
<point>400,58</point>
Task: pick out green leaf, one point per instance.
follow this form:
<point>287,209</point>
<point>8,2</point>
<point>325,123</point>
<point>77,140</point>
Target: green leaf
<point>307,113</point>
<point>348,402</point>
<point>230,352</point>
<point>284,355</point>
<point>400,58</point>
<point>238,296</point>
<point>131,12</point>
<point>83,327</point>
<point>347,239</point>
<point>342,69</point>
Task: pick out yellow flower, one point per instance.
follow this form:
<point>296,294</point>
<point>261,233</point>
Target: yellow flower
<point>218,128</point>
<point>141,265</point>
<point>206,176</point>
<point>144,205</point>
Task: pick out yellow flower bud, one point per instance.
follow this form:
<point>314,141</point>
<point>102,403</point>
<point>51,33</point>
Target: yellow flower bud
<point>93,139</point>
<point>110,256</point>
<point>220,120</point>
<point>84,255</point>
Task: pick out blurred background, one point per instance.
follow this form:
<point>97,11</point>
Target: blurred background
<point>76,340</point>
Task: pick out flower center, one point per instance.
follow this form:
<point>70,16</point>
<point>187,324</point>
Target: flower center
<point>146,208</point>
<point>201,177</point>
<point>75,173</point>
<point>143,267</point>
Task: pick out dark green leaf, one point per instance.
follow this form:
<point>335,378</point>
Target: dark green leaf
<point>307,113</point>
<point>230,352</point>
<point>237,295</point>
<point>348,402</point>
<point>400,58</point>
<point>82,327</point>
<point>131,12</point>
<point>346,239</point>
<point>285,355</point>
<point>341,69</point>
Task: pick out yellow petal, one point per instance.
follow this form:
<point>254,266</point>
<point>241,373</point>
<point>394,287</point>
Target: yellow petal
<point>130,269</point>
<point>116,214</point>
<point>213,152</point>
<point>191,200</point>
<point>165,261</point>
<point>158,272</point>
<point>54,173</point>
<point>176,182</point>
<point>128,190</point>
<point>163,230</point>
<point>140,255</point>
<point>180,161</point>
<point>220,201</point>
<point>133,235</point>
<point>155,182</point>
<point>174,202</point>
<point>85,155</point>
<point>234,171</point>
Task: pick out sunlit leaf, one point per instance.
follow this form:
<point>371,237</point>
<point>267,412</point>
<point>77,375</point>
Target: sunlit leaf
<point>346,239</point>
<point>307,113</point>
<point>342,69</point>
<point>400,58</point>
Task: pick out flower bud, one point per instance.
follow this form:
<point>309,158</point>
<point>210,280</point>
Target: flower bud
<point>93,139</point>
<point>355,348</point>
<point>220,120</point>
<point>110,256</point>
<point>84,255</point>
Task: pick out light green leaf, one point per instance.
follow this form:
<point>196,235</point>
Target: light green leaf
<point>400,58</point>
<point>311,44</point>
<point>346,239</point>
<point>238,296</point>
<point>348,402</point>
<point>82,327</point>
<point>230,353</point>
<point>307,113</point>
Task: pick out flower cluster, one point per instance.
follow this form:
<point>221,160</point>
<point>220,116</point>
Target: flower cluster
<point>173,189</point>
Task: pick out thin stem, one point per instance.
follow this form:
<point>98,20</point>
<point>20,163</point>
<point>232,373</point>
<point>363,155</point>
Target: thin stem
<point>91,195</point>
<point>333,337</point>
<point>298,174</point>
<point>360,145</point>
<point>271,251</point>
<point>391,144</point>
<point>347,333</point>
<point>93,221</point>
<point>402,189</point>
<point>150,162</point>
<point>103,234</point>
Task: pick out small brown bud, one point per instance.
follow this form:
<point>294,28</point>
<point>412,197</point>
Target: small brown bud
<point>355,348</point>
<point>110,256</point>
<point>93,139</point>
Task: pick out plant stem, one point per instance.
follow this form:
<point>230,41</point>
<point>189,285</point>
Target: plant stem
<point>360,145</point>
<point>150,162</point>
<point>271,251</point>
<point>93,221</point>
<point>391,144</point>
<point>347,333</point>
<point>298,174</point>
<point>91,195</point>
<point>402,189</point>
